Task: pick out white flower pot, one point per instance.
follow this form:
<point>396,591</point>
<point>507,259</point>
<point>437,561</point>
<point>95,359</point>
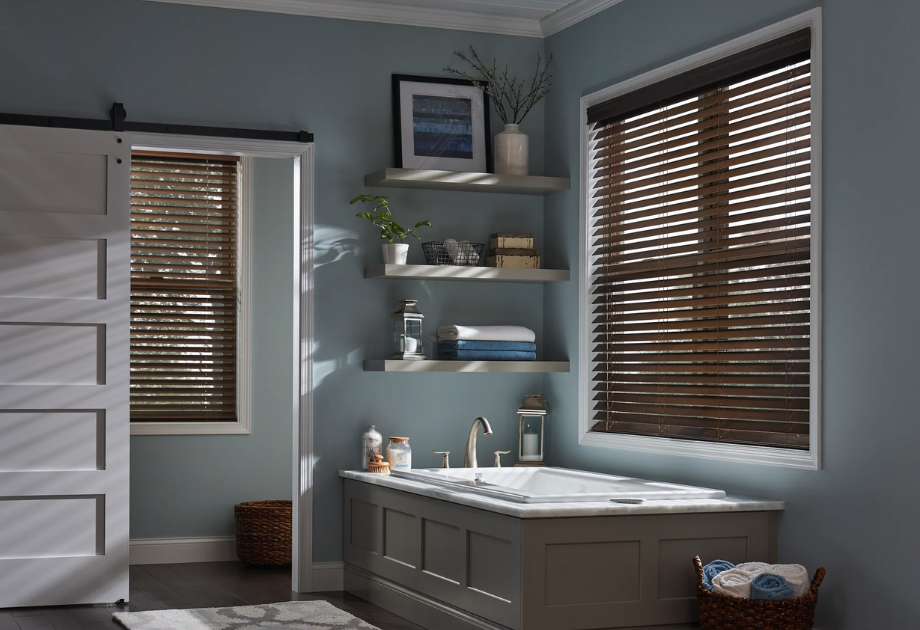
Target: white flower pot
<point>512,152</point>
<point>395,253</point>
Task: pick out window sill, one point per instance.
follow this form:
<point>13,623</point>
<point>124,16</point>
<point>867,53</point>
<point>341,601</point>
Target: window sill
<point>190,428</point>
<point>706,450</point>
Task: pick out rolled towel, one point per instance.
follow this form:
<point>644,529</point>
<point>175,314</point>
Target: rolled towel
<point>713,569</point>
<point>795,574</point>
<point>515,346</point>
<point>754,568</point>
<point>485,355</point>
<point>486,333</point>
<point>734,583</point>
<point>770,586</point>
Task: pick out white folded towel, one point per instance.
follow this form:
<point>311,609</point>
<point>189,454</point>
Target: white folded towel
<point>486,333</point>
<point>796,575</point>
<point>734,583</point>
<point>754,568</point>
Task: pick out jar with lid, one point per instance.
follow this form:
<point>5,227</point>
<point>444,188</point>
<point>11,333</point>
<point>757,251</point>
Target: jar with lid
<point>372,443</point>
<point>399,454</point>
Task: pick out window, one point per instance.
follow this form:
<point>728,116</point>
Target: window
<point>186,292</point>
<point>700,260</point>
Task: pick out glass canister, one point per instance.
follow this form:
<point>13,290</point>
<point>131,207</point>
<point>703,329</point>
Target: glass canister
<point>399,454</point>
<point>372,443</point>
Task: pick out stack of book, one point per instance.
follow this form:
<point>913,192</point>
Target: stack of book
<point>512,250</point>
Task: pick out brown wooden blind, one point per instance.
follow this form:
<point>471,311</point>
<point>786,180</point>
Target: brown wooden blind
<point>184,218</point>
<point>699,235</point>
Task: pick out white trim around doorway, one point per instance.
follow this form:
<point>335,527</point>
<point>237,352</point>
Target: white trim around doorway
<point>302,318</point>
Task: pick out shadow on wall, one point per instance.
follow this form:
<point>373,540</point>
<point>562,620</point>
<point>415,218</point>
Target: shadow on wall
<point>332,244</point>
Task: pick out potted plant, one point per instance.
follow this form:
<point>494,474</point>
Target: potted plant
<point>513,100</point>
<point>395,251</point>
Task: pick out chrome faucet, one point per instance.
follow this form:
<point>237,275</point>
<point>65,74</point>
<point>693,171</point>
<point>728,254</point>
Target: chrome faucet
<point>469,461</point>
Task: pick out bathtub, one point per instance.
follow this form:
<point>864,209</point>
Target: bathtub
<point>555,485</point>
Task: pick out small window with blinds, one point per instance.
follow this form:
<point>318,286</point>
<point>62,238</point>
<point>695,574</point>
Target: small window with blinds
<point>700,253</point>
<point>184,287</point>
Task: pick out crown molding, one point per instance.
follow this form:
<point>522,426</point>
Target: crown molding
<point>573,14</point>
<point>365,11</point>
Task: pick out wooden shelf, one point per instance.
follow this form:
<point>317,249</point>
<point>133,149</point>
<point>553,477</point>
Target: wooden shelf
<point>466,366</point>
<point>483,274</point>
<point>476,182</point>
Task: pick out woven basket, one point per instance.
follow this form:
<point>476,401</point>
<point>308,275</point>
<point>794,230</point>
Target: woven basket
<point>721,612</point>
<point>263,532</point>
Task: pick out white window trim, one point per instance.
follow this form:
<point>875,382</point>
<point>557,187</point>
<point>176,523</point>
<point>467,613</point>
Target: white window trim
<point>243,423</point>
<point>810,459</point>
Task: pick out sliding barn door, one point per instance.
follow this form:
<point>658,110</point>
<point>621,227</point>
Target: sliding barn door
<point>64,286</point>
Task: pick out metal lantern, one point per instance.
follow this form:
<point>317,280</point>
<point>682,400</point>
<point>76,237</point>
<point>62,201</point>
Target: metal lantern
<point>407,332</point>
<point>532,430</point>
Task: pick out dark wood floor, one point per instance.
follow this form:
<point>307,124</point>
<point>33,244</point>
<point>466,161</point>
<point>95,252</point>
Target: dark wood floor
<point>205,585</point>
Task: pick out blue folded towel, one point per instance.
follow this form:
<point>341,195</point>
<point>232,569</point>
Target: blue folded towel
<point>515,346</point>
<point>769,586</point>
<point>713,569</point>
<point>486,355</point>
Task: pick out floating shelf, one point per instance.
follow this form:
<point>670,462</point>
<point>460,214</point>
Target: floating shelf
<point>466,366</point>
<point>485,274</point>
<point>455,180</point>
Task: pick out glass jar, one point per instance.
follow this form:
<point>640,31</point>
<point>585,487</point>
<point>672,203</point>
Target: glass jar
<point>399,454</point>
<point>372,442</point>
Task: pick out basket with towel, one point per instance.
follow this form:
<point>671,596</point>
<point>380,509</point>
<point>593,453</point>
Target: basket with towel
<point>486,343</point>
<point>756,596</point>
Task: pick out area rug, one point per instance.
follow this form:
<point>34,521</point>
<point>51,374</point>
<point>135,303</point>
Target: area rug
<point>317,615</point>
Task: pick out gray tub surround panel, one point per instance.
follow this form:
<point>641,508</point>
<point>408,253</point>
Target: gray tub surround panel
<point>464,557</point>
<point>456,560</point>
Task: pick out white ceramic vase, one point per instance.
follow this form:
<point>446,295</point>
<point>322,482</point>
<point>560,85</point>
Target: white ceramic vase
<point>395,253</point>
<point>512,151</point>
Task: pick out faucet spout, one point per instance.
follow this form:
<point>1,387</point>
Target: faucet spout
<point>469,461</point>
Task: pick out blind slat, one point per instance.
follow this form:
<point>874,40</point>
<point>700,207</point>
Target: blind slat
<point>183,287</point>
<point>700,259</point>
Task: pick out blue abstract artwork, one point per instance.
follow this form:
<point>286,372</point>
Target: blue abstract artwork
<point>442,126</point>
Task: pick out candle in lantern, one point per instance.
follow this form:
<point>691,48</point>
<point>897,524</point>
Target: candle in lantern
<point>531,445</point>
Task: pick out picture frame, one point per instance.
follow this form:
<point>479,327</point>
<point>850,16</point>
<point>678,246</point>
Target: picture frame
<point>441,123</point>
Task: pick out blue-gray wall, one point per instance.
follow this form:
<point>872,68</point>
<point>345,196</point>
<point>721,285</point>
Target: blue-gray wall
<point>172,63</point>
<point>857,516</point>
<point>186,485</point>
<point>193,65</point>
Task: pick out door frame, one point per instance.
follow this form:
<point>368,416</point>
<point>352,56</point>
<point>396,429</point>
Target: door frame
<point>302,317</point>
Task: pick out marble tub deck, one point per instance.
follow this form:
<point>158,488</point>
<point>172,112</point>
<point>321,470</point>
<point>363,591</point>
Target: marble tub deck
<point>556,510</point>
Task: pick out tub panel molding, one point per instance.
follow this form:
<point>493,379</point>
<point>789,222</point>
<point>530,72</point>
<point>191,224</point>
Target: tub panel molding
<point>449,566</point>
<point>477,570</point>
<point>629,571</point>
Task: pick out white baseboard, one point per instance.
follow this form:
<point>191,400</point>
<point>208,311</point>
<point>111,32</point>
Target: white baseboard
<point>175,550</point>
<point>327,576</point>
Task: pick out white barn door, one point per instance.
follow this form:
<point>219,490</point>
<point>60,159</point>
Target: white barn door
<point>64,350</point>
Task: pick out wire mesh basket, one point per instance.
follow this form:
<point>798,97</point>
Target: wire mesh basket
<point>462,254</point>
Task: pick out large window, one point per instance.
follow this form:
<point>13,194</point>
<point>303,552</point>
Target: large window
<point>185,288</point>
<point>700,258</point>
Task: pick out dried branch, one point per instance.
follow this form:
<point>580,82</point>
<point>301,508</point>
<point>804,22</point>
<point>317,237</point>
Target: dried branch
<point>507,93</point>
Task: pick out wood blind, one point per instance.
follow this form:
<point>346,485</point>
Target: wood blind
<point>184,218</point>
<point>699,233</point>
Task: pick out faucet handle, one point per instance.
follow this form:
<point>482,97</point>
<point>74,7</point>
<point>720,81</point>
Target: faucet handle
<point>498,458</point>
<point>445,463</point>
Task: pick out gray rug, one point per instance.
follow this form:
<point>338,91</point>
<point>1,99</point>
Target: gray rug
<point>318,615</point>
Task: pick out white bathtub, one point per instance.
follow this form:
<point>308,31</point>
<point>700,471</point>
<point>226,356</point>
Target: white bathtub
<point>555,485</point>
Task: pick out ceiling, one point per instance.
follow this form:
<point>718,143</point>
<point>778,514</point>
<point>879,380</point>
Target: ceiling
<point>528,18</point>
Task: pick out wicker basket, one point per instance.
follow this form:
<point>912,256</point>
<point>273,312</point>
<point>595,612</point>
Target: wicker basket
<point>263,532</point>
<point>721,612</point>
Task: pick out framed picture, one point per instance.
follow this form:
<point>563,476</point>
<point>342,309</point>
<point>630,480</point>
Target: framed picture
<point>441,124</point>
